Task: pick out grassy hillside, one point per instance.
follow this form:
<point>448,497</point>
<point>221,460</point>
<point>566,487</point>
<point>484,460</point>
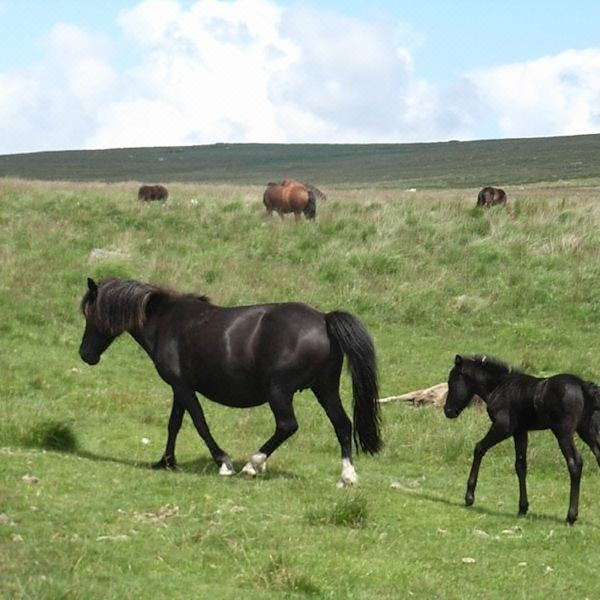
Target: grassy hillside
<point>451,164</point>
<point>429,275</point>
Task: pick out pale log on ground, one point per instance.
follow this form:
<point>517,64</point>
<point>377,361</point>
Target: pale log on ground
<point>435,395</point>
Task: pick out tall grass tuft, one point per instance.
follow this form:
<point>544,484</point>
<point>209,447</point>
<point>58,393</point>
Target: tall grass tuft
<point>350,511</point>
<point>51,435</point>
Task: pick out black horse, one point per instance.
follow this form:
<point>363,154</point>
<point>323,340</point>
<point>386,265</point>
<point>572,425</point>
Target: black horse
<point>518,403</point>
<point>241,357</point>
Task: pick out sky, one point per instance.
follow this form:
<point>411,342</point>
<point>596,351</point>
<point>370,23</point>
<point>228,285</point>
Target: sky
<point>87,75</point>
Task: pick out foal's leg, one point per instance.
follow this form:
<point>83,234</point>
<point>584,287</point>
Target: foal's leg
<point>520,438</point>
<point>575,466</point>
<point>330,400</point>
<point>286,425</point>
<point>498,431</point>
<point>188,400</point>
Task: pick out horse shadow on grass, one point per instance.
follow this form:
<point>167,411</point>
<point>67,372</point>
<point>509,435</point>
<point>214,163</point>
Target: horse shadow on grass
<point>203,466</point>
<point>58,436</point>
<point>484,510</point>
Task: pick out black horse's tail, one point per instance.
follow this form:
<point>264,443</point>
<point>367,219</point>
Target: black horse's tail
<point>310,210</point>
<point>356,343</point>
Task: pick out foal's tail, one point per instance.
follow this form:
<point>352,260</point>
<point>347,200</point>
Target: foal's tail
<point>356,343</point>
<point>592,392</point>
<point>310,210</point>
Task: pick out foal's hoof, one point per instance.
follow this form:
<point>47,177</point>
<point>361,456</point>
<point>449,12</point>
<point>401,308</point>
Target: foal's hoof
<point>469,499</point>
<point>571,519</point>
<point>166,462</point>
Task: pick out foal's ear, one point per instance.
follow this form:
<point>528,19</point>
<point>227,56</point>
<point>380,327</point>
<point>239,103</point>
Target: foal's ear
<point>458,360</point>
<point>92,287</point>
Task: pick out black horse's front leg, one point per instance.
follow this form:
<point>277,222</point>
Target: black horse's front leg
<point>185,399</point>
<point>520,438</point>
<point>497,432</point>
<point>168,458</point>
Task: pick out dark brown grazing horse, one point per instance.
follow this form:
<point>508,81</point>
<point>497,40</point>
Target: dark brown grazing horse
<point>491,196</point>
<point>241,357</point>
<point>291,196</point>
<point>153,192</point>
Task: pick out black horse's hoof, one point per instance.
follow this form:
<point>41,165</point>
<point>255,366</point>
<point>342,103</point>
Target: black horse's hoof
<point>571,519</point>
<point>523,510</point>
<point>166,462</point>
<point>469,499</point>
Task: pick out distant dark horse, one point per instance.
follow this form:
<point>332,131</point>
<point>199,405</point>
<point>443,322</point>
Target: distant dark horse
<point>291,196</point>
<point>153,192</point>
<point>241,357</point>
<point>518,403</point>
<point>491,196</point>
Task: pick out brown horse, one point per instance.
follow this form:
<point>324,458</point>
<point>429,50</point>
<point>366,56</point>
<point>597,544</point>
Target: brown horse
<point>491,196</point>
<point>153,192</point>
<point>291,196</point>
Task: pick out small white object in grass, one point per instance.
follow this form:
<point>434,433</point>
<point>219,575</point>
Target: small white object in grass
<point>145,441</point>
<point>481,533</point>
<point>30,479</point>
<point>468,560</point>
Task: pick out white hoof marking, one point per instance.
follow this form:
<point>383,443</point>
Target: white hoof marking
<point>257,464</point>
<point>226,471</point>
<point>349,476</point>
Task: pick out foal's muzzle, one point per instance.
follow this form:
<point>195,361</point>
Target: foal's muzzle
<point>451,413</point>
<point>90,359</point>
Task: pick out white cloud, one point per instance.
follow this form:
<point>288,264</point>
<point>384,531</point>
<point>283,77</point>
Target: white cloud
<point>249,70</point>
<point>553,95</point>
<point>252,71</point>
<point>52,105</point>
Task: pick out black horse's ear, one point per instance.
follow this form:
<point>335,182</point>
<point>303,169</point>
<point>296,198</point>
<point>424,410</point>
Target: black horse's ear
<point>92,287</point>
<point>458,360</point>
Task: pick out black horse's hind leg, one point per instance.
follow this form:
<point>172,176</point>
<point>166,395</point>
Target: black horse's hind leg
<point>497,432</point>
<point>286,425</point>
<point>168,458</point>
<point>575,466</point>
<point>520,438</point>
<point>330,400</point>
<point>187,399</point>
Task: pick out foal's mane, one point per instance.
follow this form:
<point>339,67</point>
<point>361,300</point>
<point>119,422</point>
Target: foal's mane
<point>490,363</point>
<point>120,304</point>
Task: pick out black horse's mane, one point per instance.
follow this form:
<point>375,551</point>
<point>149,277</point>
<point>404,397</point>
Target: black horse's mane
<point>121,304</point>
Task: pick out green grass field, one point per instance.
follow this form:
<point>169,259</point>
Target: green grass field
<point>429,274</point>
